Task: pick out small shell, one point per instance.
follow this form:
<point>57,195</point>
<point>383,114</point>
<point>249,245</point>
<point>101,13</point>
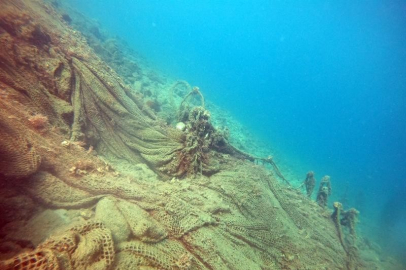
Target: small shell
<point>181,126</point>
<point>65,143</point>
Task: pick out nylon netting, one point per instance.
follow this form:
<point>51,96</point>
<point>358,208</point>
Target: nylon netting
<point>226,212</point>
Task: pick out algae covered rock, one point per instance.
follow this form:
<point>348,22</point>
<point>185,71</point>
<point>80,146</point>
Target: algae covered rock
<point>108,213</point>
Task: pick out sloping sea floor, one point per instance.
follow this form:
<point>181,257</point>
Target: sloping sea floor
<point>73,205</point>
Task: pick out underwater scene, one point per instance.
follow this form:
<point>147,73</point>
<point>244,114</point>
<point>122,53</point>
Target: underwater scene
<point>175,135</point>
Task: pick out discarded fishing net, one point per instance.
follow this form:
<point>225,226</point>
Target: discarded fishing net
<point>19,157</point>
<point>85,246</point>
<point>226,212</point>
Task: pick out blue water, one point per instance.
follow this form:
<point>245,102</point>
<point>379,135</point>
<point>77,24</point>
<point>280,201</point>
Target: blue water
<point>322,81</point>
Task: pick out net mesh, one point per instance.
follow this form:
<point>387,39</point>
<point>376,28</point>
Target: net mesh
<point>18,157</point>
<point>231,214</point>
<point>84,246</point>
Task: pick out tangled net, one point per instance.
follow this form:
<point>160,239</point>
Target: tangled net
<point>232,214</point>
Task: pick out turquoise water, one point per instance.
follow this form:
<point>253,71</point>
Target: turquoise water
<point>324,82</point>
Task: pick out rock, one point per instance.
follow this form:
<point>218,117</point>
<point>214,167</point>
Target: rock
<point>108,213</point>
<point>143,226</point>
<point>41,226</point>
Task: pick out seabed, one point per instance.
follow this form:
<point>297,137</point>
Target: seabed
<point>107,164</point>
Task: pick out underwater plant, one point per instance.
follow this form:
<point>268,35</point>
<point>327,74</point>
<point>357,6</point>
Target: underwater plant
<point>194,158</point>
<point>309,183</point>
<point>348,219</point>
<point>324,191</point>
